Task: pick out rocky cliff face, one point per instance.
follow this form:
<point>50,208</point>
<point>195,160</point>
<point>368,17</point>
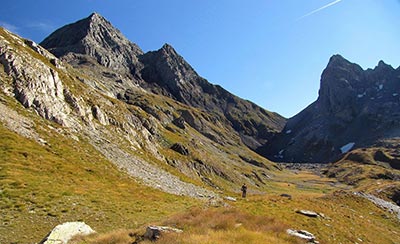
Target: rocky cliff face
<point>33,83</point>
<point>93,41</point>
<point>355,108</point>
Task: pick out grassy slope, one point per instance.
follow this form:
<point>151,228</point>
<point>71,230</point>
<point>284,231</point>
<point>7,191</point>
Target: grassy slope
<point>366,173</point>
<point>69,181</point>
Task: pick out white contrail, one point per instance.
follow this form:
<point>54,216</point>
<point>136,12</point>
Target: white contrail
<point>319,9</point>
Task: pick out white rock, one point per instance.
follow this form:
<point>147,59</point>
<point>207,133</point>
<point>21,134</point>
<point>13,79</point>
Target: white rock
<point>230,199</point>
<point>303,234</point>
<point>61,234</point>
<point>308,213</point>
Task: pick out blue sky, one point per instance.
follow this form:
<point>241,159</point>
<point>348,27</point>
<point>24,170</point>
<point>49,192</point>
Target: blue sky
<point>271,52</point>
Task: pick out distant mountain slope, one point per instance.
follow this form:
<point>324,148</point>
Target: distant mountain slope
<point>93,41</point>
<point>355,108</point>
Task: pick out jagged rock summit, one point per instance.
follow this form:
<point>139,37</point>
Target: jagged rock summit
<point>125,68</point>
<point>355,108</point>
<point>96,37</point>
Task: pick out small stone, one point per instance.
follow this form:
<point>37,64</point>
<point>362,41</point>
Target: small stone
<point>308,213</point>
<point>286,195</point>
<point>232,199</point>
<point>303,234</point>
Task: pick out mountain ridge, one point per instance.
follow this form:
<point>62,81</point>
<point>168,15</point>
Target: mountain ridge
<point>162,72</point>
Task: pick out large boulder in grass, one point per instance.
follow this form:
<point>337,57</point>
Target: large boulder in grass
<point>63,233</point>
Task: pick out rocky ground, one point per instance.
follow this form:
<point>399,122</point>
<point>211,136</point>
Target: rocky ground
<point>388,206</point>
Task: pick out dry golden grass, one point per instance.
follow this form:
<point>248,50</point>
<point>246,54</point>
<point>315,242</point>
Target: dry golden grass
<point>210,225</point>
<point>114,237</point>
<point>225,225</point>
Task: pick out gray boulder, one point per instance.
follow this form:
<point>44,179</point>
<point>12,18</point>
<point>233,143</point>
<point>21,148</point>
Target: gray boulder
<point>154,232</point>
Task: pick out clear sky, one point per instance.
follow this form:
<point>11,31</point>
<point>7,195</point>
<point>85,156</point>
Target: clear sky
<point>271,52</point>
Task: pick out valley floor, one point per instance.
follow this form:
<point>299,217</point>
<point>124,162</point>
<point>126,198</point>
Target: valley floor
<point>342,216</point>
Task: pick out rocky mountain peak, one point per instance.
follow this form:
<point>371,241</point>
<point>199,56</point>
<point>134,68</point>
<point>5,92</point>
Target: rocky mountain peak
<point>355,108</point>
<point>169,71</point>
<point>383,67</point>
<point>337,60</point>
<point>169,49</point>
<point>338,82</point>
<point>337,63</point>
<point>96,37</point>
<point>96,17</point>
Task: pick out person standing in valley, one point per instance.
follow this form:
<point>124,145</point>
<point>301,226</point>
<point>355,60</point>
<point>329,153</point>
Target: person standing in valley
<point>244,190</point>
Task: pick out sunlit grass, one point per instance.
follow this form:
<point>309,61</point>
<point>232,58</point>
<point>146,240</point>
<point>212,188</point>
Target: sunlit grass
<point>66,181</point>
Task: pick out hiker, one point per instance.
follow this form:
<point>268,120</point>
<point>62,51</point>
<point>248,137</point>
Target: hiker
<point>244,190</point>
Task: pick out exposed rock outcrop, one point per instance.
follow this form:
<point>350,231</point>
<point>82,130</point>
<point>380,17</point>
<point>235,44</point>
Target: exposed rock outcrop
<point>392,208</point>
<point>34,83</point>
